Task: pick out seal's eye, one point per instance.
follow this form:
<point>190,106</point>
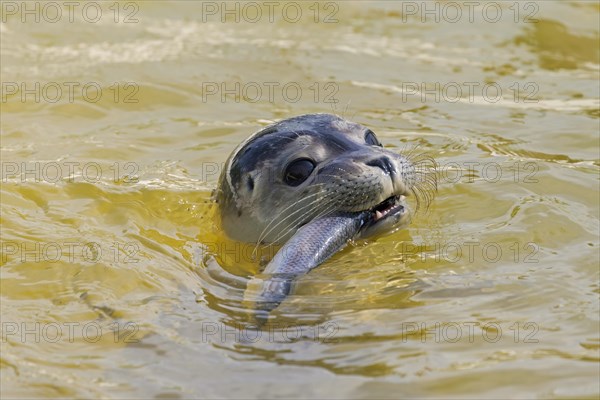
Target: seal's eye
<point>371,139</point>
<point>298,171</point>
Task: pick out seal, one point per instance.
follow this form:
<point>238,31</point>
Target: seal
<point>312,183</point>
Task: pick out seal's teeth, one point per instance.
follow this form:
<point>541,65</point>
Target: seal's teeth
<point>378,215</point>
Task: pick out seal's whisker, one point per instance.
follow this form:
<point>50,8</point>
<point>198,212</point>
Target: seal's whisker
<point>289,227</point>
<point>411,151</point>
<point>425,172</point>
<point>423,162</point>
<point>269,228</point>
<point>322,205</point>
<point>422,194</point>
<point>416,193</point>
<point>325,208</point>
<point>334,109</point>
<point>346,108</point>
<point>427,178</point>
<point>404,149</point>
<point>285,227</point>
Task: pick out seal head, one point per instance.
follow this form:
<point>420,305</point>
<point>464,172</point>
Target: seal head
<point>309,167</point>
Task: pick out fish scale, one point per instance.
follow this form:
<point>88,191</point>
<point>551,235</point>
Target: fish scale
<point>312,244</point>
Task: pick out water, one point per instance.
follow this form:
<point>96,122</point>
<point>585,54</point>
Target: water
<point>116,283</point>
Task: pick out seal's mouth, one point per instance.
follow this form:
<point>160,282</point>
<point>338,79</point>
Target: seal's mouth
<point>387,208</point>
<point>385,217</point>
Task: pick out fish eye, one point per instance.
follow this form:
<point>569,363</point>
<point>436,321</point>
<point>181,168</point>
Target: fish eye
<point>371,139</point>
<point>298,171</point>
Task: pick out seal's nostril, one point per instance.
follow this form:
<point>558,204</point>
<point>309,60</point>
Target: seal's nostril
<point>384,163</point>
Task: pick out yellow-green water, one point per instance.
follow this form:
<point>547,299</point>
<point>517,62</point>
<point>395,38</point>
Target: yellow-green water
<point>115,283</point>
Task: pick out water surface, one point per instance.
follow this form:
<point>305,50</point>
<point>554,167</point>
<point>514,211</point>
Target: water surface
<point>116,283</point>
